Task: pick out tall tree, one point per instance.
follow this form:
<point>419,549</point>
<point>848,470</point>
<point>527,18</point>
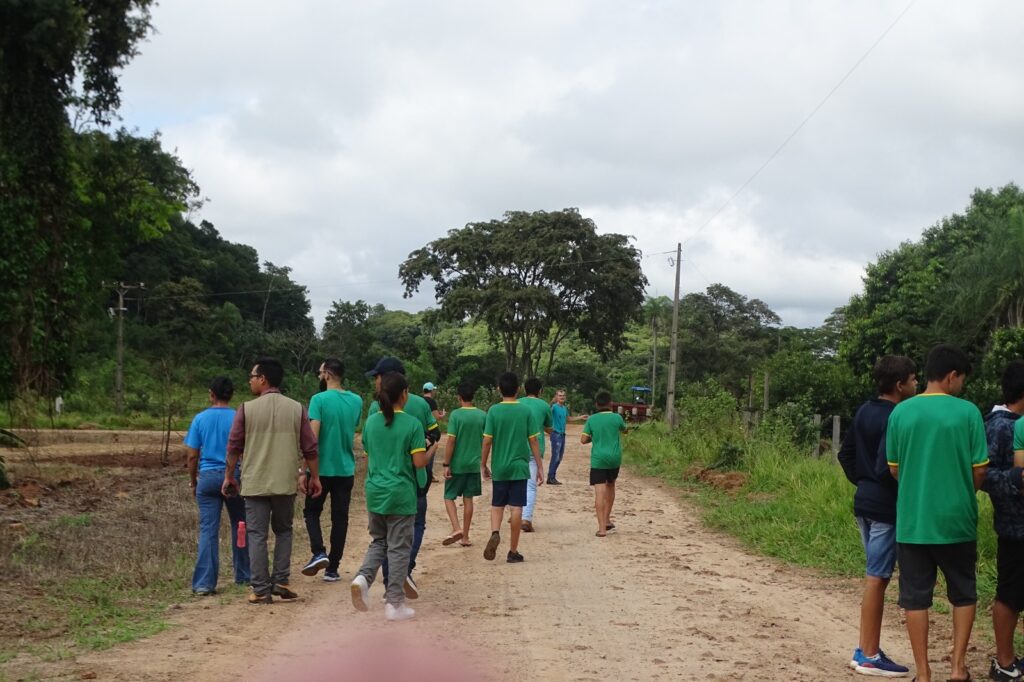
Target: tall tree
<point>46,48</point>
<point>534,279</point>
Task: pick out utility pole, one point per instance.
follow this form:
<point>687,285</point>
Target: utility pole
<point>121,288</point>
<point>654,356</point>
<point>670,399</point>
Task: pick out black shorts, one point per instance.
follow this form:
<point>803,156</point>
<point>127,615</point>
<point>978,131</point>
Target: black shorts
<point>508,493</point>
<point>598,476</point>
<point>918,564</point>
<point>1010,569</point>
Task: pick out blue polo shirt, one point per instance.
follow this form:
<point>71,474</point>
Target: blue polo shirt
<point>208,434</point>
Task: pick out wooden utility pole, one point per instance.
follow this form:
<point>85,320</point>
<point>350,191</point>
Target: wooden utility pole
<point>654,356</point>
<point>670,398</point>
<point>121,288</point>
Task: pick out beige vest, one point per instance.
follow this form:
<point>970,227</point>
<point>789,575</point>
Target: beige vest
<point>271,457</point>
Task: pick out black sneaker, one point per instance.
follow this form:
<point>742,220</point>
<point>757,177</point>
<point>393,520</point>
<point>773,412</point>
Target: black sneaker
<point>514,558</point>
<point>998,672</point>
<point>492,546</point>
<point>284,592</point>
<point>553,481</point>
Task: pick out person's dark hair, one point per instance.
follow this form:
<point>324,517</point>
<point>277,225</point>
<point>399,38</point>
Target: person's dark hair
<point>1013,382</point>
<point>533,386</point>
<point>335,367</point>
<point>222,388</point>
<point>392,385</point>
<point>271,370</point>
<point>890,370</point>
<point>508,384</point>
<point>466,391</point>
<point>943,359</point>
<point>603,399</point>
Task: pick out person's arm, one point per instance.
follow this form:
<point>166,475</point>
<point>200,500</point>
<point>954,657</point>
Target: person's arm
<point>485,455</point>
<point>193,467</point>
<point>848,456</point>
<point>979,444</point>
<point>585,437</point>
<point>236,446</point>
<point>310,455</point>
<point>894,471</point>
<point>449,451</point>
<point>535,449</point>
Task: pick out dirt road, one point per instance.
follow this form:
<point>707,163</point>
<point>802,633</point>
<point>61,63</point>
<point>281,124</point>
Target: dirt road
<point>659,599</point>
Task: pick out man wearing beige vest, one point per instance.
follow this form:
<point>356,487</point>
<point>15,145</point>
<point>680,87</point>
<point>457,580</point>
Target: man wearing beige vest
<point>270,433</point>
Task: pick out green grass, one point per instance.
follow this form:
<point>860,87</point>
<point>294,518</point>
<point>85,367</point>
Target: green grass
<point>792,507</point>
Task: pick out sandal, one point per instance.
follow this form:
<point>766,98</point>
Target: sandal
<point>599,534</point>
<point>452,539</point>
<point>465,544</point>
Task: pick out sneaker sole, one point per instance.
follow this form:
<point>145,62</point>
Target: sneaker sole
<point>312,569</point>
<point>877,672</point>
<point>357,599</point>
<point>491,550</point>
<point>399,619</point>
<point>331,579</point>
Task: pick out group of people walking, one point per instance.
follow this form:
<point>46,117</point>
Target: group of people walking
<point>917,461</point>
<point>246,460</point>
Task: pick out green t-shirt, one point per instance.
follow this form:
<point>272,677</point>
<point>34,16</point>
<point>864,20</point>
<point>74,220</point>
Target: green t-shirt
<point>542,413</point>
<point>604,428</point>
<point>466,426</point>
<point>390,475</point>
<point>510,425</point>
<point>417,407</point>
<point>1018,434</point>
<point>338,413</point>
<point>936,440</point>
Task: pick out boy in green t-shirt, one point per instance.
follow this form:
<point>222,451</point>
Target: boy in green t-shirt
<point>462,463</point>
<point>936,449</point>
<point>395,447</point>
<point>542,412</point>
<point>603,429</point>
<point>511,431</point>
<point>333,415</point>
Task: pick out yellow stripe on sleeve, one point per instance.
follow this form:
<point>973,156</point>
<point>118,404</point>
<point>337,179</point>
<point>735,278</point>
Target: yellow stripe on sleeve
<point>413,452</point>
<point>983,464</point>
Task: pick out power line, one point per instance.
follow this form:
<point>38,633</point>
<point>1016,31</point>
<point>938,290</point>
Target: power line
<point>826,98</point>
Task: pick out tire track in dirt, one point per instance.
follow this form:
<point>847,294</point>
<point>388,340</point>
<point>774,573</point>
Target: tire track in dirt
<point>661,598</point>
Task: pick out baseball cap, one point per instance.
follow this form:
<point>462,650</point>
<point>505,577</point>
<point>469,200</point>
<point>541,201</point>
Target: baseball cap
<point>385,365</point>
<point>429,386</point>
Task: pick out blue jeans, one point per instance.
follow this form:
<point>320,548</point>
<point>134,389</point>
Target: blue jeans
<point>557,450</point>
<point>418,528</point>
<point>879,540</point>
<point>210,501</point>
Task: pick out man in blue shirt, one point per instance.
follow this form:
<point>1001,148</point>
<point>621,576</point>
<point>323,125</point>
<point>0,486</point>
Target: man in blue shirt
<point>206,442</point>
<point>559,416</point>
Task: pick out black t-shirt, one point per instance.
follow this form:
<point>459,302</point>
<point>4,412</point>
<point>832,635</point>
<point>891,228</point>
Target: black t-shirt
<point>431,402</point>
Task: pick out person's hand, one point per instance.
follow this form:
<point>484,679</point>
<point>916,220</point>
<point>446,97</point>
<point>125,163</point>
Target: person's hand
<point>315,488</point>
<point>229,487</point>
<point>301,486</point>
<point>486,472</point>
<point>540,477</point>
<point>448,473</point>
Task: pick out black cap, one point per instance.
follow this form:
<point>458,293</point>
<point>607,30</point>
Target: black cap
<point>385,365</point>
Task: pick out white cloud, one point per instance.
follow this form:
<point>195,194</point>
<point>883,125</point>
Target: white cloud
<point>336,137</point>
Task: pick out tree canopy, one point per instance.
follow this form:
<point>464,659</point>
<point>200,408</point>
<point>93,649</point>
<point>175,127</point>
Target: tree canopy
<point>534,279</point>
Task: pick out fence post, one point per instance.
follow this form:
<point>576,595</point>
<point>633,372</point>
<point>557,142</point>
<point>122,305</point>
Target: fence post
<point>835,437</point>
<point>816,449</point>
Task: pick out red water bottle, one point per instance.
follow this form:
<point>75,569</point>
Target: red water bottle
<point>240,536</point>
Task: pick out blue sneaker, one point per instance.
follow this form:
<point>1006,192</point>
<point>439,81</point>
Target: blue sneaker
<point>858,656</point>
<point>318,562</point>
<point>331,576</point>
<point>880,665</point>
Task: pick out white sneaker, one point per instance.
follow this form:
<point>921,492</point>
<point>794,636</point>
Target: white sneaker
<point>360,594</point>
<point>396,613</point>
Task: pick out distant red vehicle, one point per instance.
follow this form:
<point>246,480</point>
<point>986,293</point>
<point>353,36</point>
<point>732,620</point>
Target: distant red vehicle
<point>639,409</point>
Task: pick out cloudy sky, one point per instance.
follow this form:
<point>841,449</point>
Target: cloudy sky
<point>336,137</point>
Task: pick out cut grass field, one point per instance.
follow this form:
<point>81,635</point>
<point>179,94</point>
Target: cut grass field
<point>790,506</point>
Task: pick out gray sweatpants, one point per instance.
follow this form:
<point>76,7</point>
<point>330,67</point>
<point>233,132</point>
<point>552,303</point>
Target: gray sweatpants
<point>262,514</point>
<point>392,537</point>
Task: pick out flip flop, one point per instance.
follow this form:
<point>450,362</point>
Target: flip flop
<point>600,535</point>
<point>465,544</point>
<point>452,539</point>
<point>965,679</point>
<point>610,526</point>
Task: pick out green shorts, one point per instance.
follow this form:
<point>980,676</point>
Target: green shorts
<point>462,485</point>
